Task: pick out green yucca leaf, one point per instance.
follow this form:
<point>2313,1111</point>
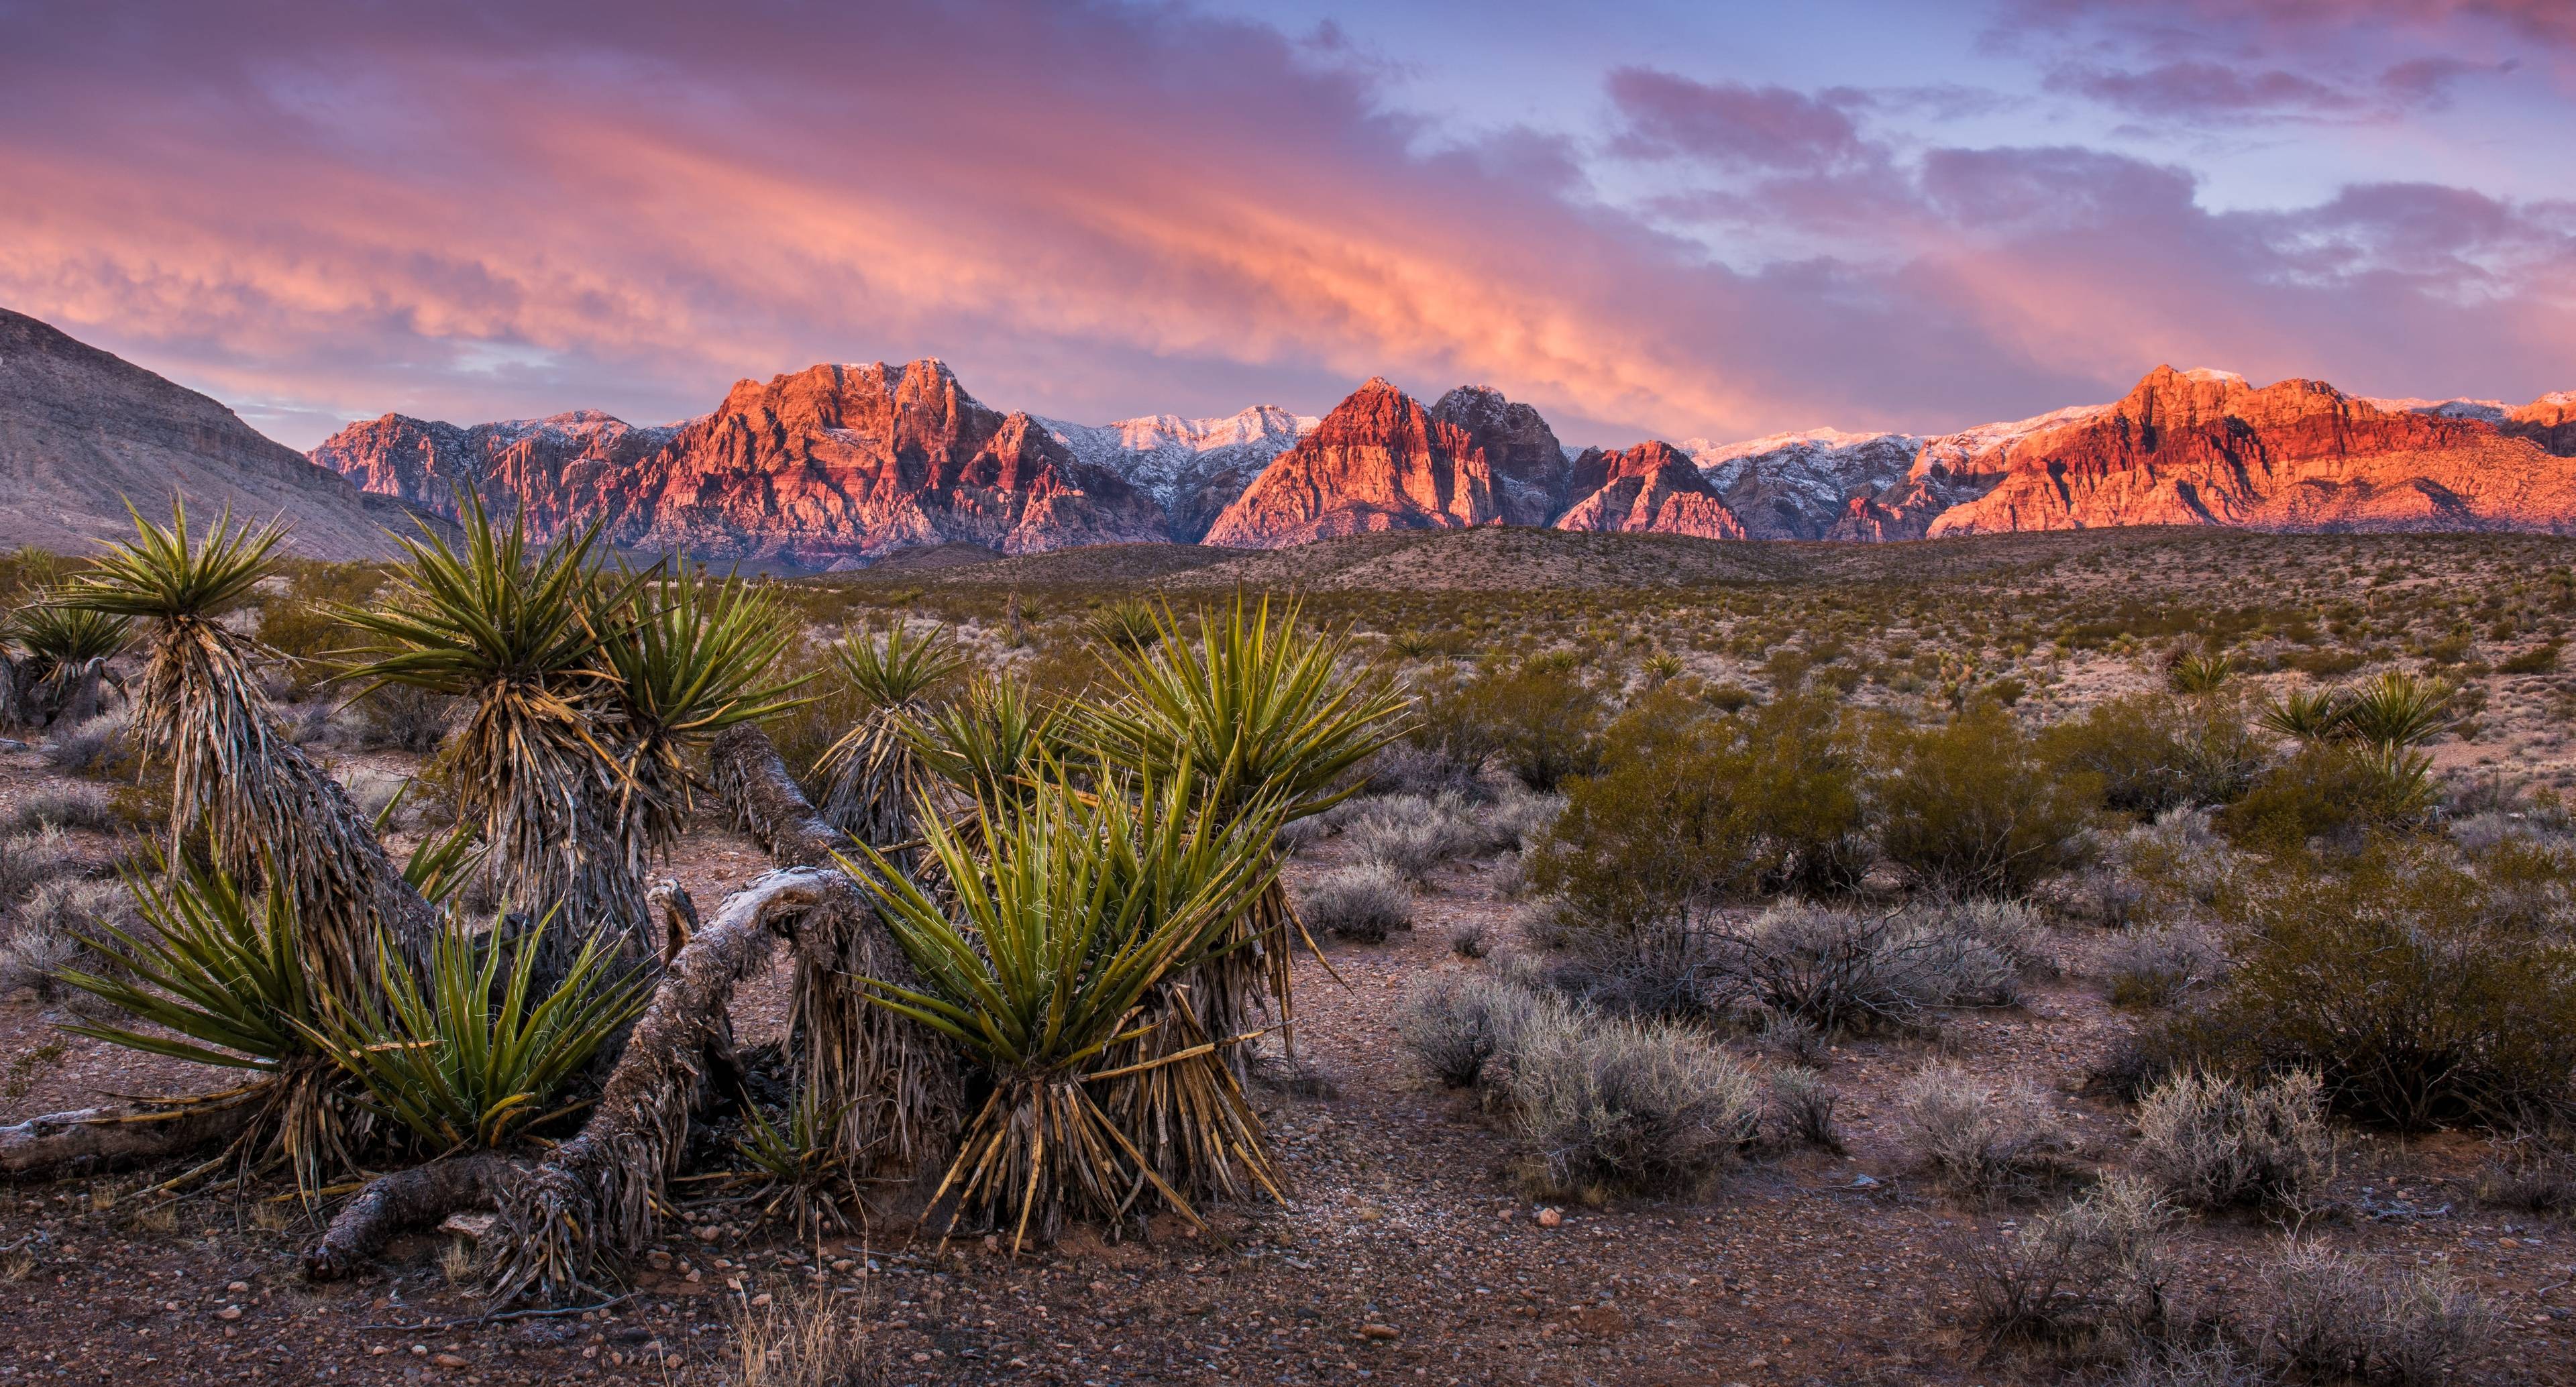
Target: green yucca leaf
<point>441,863</point>
<point>989,743</point>
<point>892,668</point>
<point>60,634</point>
<point>2308,716</point>
<point>158,575</point>
<point>472,1060</point>
<point>224,975</point>
<point>1255,708</point>
<point>2200,673</point>
<point>2396,710</point>
<point>1078,903</point>
<point>1127,624</point>
<point>688,658</point>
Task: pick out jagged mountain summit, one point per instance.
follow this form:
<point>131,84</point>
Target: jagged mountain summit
<point>1193,468</point>
<point>82,432</point>
<point>843,465</point>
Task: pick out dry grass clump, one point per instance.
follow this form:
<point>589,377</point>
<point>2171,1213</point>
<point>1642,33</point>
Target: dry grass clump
<point>2214,1143</point>
<point>87,807</point>
<point>50,933</point>
<point>1844,971</point>
<point>1458,1023</point>
<point>801,1339</point>
<point>1980,1139</point>
<point>2535,1171</point>
<point>29,860</point>
<point>1798,1107</point>
<point>1366,902</point>
<point>2160,967</point>
<point>2092,1277</point>
<point>1607,1104</point>
<point>93,746</point>
<point>2333,1319</point>
<point>1411,835</point>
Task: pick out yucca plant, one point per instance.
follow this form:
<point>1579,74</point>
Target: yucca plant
<point>798,1166</point>
<point>685,660</point>
<point>2400,781</point>
<point>2305,715</point>
<point>2396,710</point>
<point>1661,668</point>
<point>2201,672</point>
<point>511,630</point>
<point>1070,908</point>
<point>988,744</point>
<point>218,977</point>
<point>473,1059</point>
<point>869,773</point>
<point>199,708</point>
<point>62,674</point>
<point>1126,624</point>
<point>1253,709</point>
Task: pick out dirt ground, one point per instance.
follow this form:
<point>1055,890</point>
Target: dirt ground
<point>1410,1252</point>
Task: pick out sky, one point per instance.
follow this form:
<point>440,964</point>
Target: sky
<point>1650,218</point>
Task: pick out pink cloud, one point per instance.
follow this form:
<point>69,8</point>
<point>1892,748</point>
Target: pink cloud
<point>331,211</point>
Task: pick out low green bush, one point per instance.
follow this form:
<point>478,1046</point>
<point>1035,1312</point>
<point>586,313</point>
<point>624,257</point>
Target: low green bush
<point>1972,806</point>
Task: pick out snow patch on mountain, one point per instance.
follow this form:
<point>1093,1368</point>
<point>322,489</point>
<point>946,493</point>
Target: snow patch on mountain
<point>1169,457</point>
<point>2484,411</point>
<point>1794,485</point>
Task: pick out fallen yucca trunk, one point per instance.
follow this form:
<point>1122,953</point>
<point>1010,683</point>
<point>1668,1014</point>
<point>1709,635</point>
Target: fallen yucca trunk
<point>893,1082</point>
<point>591,1202</point>
<point>1068,911</point>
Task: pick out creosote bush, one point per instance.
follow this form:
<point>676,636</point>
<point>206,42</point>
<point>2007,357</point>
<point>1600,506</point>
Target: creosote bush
<point>2151,753</point>
<point>1366,902</point>
<point>1846,971</point>
<point>1971,806</point>
<point>2094,1276</point>
<point>2214,1143</point>
<point>1540,718</point>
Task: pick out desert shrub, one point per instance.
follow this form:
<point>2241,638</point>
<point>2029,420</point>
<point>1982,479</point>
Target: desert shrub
<point>69,806</point>
<point>1365,902</point>
<point>1970,806</point>
<point>98,746</point>
<point>1410,768</point>
<point>2333,1319</point>
<point>2333,791</point>
<point>1798,1106</point>
<point>2160,966</point>
<point>1468,941</point>
<point>1717,808</point>
<point>2215,1363</point>
<point>1513,820</point>
<point>1540,719</point>
<point>308,635</point>
<point>1794,1039</point>
<point>2535,1171</point>
<point>1845,971</point>
<point>1458,1023</point>
<point>2213,1143</point>
<point>50,933</point>
<point>2178,863</point>
<point>1605,1104</point>
<point>802,1339</point>
<point>404,718</point>
<point>2155,752</point>
<point>1978,1138</point>
<point>1661,966</point>
<point>2395,976</point>
<point>1410,835</point>
<point>29,860</point>
<point>2095,1274</point>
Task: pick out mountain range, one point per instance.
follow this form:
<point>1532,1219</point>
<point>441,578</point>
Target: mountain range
<point>839,466</point>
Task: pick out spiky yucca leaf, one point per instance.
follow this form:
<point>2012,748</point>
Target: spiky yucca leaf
<point>893,668</point>
<point>1127,624</point>
<point>686,659</point>
<point>1076,907</point>
<point>2305,715</point>
<point>2200,672</point>
<point>510,628</point>
<point>473,1060</point>
<point>800,1165</point>
<point>2396,710</point>
<point>58,633</point>
<point>218,978</point>
<point>160,576</point>
<point>989,744</point>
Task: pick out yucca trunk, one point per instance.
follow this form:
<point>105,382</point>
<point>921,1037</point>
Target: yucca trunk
<point>265,806</point>
<point>893,1081</point>
<point>869,775</point>
<point>1185,1113</point>
<point>592,1202</point>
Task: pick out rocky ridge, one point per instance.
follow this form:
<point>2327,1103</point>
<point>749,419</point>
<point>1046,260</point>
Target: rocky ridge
<point>84,432</point>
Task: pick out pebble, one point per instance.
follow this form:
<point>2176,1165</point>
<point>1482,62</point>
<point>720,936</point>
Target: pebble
<point>448,1360</point>
<point>229,1312</point>
<point>1549,1218</point>
<point>237,1288</point>
<point>1379,1331</point>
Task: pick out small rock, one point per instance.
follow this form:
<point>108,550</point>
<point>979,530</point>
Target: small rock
<point>237,1288</point>
<point>707,1234</point>
<point>1380,1331</point>
<point>920,1358</point>
<point>420,1350</point>
<point>380,1350</point>
<point>844,1266</point>
<point>761,1301</point>
<point>1864,1182</point>
<point>658,1260</point>
<point>448,1360</point>
<point>1550,1218</point>
<point>229,1312</point>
